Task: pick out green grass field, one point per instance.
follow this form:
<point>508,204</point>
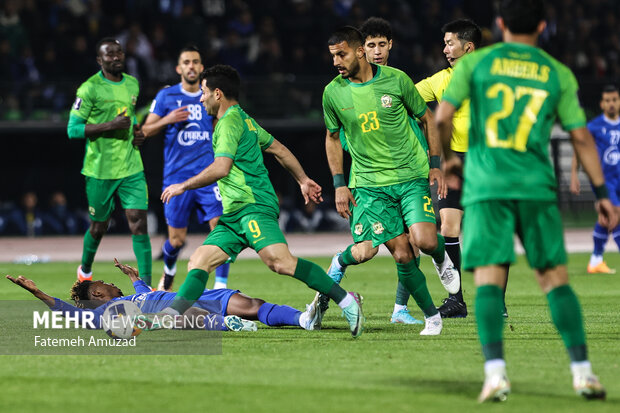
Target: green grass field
<point>390,368</point>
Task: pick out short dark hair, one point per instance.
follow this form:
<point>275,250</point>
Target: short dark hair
<point>522,16</point>
<point>104,41</point>
<point>348,34</point>
<point>465,29</point>
<point>189,48</point>
<point>80,294</point>
<point>224,78</point>
<point>376,27</point>
<point>609,89</point>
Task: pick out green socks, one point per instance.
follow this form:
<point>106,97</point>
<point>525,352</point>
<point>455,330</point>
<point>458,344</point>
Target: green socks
<point>317,279</point>
<point>346,258</point>
<point>414,280</point>
<point>191,289</point>
<point>440,252</point>
<point>490,320</point>
<point>402,293</point>
<point>142,251</point>
<point>88,251</point>
<point>566,315</point>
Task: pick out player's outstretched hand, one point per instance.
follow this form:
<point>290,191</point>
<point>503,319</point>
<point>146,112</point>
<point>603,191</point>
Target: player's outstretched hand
<point>344,197</point>
<point>122,121</point>
<point>311,191</point>
<point>128,270</point>
<point>138,135</point>
<point>24,282</point>
<point>178,115</point>
<point>435,175</point>
<point>607,214</point>
<point>171,191</point>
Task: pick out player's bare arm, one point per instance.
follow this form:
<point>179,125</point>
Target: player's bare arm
<point>155,123</point>
<point>217,170</point>
<point>343,195</point>
<point>587,155</point>
<point>443,120</point>
<point>434,149</point>
<point>575,185</point>
<point>122,121</point>
<point>310,190</point>
<point>128,270</point>
<point>31,287</point>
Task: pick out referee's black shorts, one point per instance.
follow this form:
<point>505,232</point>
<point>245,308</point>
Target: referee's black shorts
<point>453,198</point>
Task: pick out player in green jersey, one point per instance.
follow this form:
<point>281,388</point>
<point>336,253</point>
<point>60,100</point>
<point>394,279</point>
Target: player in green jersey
<point>390,176</point>
<point>251,209</point>
<point>516,92</point>
<point>104,113</point>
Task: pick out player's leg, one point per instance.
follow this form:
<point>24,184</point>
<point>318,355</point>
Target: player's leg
<point>100,196</point>
<point>221,272</point>
<point>208,202</point>
<point>600,235</point>
<point>454,306</point>
<point>413,279</point>
<point>133,194</point>
<point>488,247</point>
<point>400,314</point>
<point>267,313</point>
<point>542,236</point>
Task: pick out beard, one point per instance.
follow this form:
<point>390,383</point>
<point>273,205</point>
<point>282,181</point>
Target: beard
<point>190,81</point>
<point>355,68</point>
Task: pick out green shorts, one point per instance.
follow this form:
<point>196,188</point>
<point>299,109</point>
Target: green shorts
<point>381,211</point>
<point>131,190</point>
<point>247,227</point>
<point>489,228</point>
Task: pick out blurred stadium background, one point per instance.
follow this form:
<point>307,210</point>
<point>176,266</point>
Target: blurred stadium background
<point>47,50</point>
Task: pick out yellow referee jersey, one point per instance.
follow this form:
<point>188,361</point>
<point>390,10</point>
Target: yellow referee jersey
<point>432,89</point>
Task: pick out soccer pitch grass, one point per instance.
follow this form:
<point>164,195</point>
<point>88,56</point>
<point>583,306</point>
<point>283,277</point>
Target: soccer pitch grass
<point>390,368</point>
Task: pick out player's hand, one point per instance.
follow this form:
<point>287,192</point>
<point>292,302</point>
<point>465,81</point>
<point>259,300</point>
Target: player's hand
<point>178,115</point>
<point>435,175</point>
<point>311,191</point>
<point>575,185</point>
<point>138,135</point>
<point>122,121</point>
<point>171,191</point>
<point>129,271</point>
<point>607,213</point>
<point>24,282</point>
<point>344,198</point>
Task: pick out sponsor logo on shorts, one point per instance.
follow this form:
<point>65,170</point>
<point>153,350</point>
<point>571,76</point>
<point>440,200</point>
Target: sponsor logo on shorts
<point>358,229</point>
<point>377,228</point>
<point>91,210</point>
<point>77,104</point>
<point>191,134</point>
<point>386,101</point>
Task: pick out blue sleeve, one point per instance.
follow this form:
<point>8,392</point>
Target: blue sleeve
<point>141,287</point>
<point>158,106</point>
<point>72,310</point>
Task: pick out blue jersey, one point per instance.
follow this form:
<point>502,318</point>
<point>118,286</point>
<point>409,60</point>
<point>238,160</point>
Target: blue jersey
<point>214,301</point>
<point>607,137</point>
<point>188,148</point>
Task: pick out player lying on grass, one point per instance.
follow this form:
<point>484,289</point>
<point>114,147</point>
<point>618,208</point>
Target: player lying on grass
<point>230,306</point>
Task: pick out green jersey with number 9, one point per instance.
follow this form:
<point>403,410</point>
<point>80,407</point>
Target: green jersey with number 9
<point>517,91</point>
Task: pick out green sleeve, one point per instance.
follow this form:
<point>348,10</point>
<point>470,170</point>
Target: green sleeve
<point>228,135</point>
<point>76,127</point>
<point>265,139</point>
<point>331,120</point>
<point>459,87</point>
<point>416,106</point>
<point>570,112</point>
<point>83,102</point>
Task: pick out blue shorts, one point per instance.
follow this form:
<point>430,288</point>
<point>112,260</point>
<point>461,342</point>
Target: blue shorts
<point>206,200</point>
<point>215,301</point>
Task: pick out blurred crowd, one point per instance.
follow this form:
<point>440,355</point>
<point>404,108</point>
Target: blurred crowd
<point>47,46</point>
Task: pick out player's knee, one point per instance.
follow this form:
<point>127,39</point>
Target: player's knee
<point>450,229</point>
<point>427,244</point>
<point>365,253</point>
<point>176,241</point>
<point>136,218</point>
<point>98,229</point>
<point>403,256</point>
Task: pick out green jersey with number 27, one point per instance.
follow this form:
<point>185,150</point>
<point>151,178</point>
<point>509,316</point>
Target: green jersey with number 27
<point>517,91</point>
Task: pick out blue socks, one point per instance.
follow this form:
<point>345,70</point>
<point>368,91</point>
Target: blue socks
<point>221,273</point>
<point>600,236</point>
<point>278,315</point>
<point>170,254</point>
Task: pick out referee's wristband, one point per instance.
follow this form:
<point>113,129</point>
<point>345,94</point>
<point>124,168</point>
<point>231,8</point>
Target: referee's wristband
<point>601,191</point>
<point>435,161</point>
<point>339,180</point>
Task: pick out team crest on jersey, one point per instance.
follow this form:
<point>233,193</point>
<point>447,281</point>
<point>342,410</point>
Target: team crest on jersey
<point>377,228</point>
<point>77,104</point>
<point>386,101</point>
<point>358,229</point>
<point>91,210</point>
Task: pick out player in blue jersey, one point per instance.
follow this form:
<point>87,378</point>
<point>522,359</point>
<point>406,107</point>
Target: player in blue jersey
<point>231,309</point>
<point>606,132</point>
<point>187,151</point>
